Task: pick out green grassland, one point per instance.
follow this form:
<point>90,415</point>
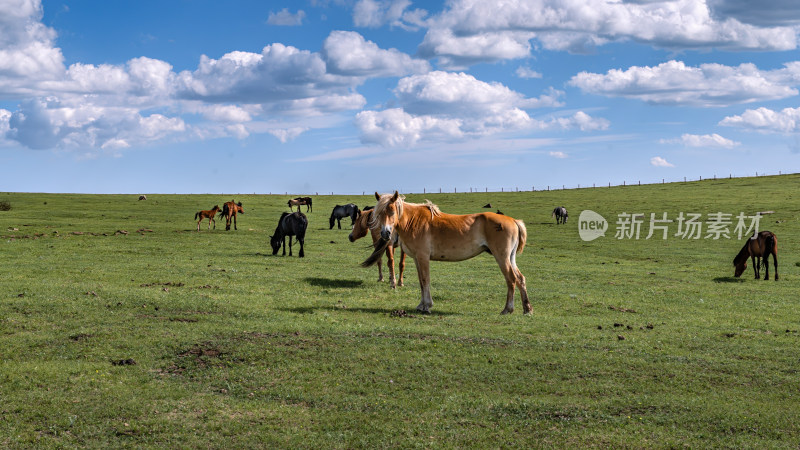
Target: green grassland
<point>169,337</point>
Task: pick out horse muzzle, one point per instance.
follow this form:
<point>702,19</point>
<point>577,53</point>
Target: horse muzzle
<point>386,233</point>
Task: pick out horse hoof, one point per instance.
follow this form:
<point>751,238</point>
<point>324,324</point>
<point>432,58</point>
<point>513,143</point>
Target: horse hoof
<point>506,311</point>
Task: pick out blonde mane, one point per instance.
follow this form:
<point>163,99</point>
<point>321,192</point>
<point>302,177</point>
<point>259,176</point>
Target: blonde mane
<point>380,207</point>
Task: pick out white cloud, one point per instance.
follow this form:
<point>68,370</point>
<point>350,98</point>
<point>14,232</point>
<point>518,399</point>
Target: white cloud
<point>287,134</point>
<point>348,53</point>
<point>469,31</point>
<point>779,13</point>
<point>660,162</point>
<point>376,13</point>
<point>675,83</point>
<point>706,140</point>
<point>452,106</point>
<point>286,18</point>
<point>526,72</point>
<point>766,120</point>
<point>560,155</point>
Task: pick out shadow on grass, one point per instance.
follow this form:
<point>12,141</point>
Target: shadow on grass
<point>333,283</point>
<point>728,280</point>
<point>413,312</point>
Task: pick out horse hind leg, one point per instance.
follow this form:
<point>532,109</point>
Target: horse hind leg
<point>402,267</point>
<point>775,261</point>
<point>302,254</point>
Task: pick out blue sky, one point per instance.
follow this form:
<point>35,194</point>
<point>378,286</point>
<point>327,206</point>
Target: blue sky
<point>352,96</point>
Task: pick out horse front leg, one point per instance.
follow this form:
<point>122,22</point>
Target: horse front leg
<point>302,243</point>
<point>423,264</point>
<point>402,266</point>
<point>284,246</point>
<point>390,265</point>
<point>234,222</point>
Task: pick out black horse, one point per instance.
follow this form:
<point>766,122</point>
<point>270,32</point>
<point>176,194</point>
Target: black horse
<point>560,213</point>
<point>342,211</point>
<point>290,224</point>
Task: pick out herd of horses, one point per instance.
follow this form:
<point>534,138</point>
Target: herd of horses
<point>427,234</point>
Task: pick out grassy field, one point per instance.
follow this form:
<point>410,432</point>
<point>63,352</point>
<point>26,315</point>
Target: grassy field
<point>121,325</point>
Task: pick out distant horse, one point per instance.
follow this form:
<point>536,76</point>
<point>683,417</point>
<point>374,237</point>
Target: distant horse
<point>229,210</point>
<point>300,201</point>
<point>360,230</point>
<point>290,224</point>
<point>428,234</point>
<point>759,246</point>
<point>207,214</point>
<point>560,213</point>
<point>342,211</point>
<point>142,197</point>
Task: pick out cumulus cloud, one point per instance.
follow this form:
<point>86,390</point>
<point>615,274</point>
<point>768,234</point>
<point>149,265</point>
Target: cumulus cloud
<point>452,106</point>
<point>779,13</point>
<point>660,162</point>
<point>706,140</point>
<point>286,18</point>
<point>348,53</point>
<point>376,13</point>
<point>675,83</point>
<point>766,120</point>
<point>488,30</point>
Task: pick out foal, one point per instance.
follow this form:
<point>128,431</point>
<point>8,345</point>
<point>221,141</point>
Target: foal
<point>207,214</point>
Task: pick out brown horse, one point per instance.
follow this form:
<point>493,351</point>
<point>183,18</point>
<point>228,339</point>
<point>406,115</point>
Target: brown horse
<point>759,246</point>
<point>428,234</point>
<point>360,229</point>
<point>207,214</point>
<point>229,210</point>
<point>300,201</point>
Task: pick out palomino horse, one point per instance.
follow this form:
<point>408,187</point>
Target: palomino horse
<point>300,201</point>
<point>759,246</point>
<point>229,210</point>
<point>360,230</point>
<point>207,214</point>
<point>290,224</point>
<point>428,234</point>
<point>560,213</point>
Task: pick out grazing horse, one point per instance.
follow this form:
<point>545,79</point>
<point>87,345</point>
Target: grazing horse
<point>759,246</point>
<point>290,224</point>
<point>560,213</point>
<point>142,197</point>
<point>428,235</point>
<point>360,230</point>
<point>342,211</point>
<point>207,214</point>
<point>229,210</point>
<point>300,201</point>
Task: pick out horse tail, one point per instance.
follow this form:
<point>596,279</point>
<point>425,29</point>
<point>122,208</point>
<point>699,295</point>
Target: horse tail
<point>195,215</point>
<point>522,234</point>
<point>380,247</point>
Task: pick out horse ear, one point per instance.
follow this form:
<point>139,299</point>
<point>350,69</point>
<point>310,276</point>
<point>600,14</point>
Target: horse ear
<point>395,196</point>
<point>377,196</point>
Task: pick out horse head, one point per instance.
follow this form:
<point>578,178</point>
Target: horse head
<point>275,243</point>
<point>361,226</point>
<point>386,214</point>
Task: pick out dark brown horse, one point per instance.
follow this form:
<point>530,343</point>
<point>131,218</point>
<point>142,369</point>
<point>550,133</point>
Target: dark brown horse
<point>229,210</point>
<point>360,230</point>
<point>297,201</point>
<point>207,214</point>
<point>759,246</point>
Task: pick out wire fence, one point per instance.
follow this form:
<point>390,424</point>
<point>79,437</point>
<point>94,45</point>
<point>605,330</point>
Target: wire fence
<point>541,188</point>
